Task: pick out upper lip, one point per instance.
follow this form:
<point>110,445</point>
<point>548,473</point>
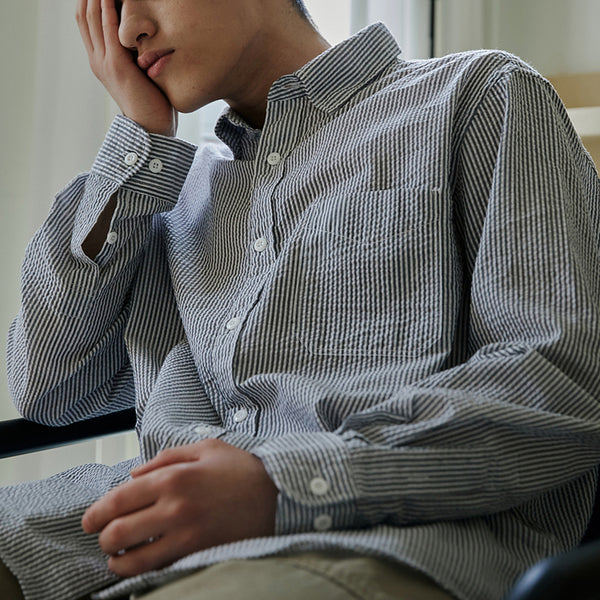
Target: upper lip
<point>147,59</point>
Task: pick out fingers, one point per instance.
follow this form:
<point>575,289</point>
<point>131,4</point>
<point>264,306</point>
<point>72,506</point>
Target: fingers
<point>151,556</point>
<point>98,22</point>
<point>130,531</point>
<point>94,22</point>
<point>122,500</point>
<point>110,23</point>
<point>170,456</point>
<point>82,23</point>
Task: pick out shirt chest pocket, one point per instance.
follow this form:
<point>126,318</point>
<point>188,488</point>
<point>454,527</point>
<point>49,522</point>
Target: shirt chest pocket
<point>377,279</point>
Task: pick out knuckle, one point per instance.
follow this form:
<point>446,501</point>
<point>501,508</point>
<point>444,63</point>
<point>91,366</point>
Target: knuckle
<point>171,481</point>
<point>176,510</point>
<point>111,537</point>
<point>166,453</point>
<point>113,502</point>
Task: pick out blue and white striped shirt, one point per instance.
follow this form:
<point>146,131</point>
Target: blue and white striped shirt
<point>390,294</point>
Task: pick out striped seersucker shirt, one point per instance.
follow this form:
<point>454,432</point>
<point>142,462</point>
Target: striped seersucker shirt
<point>392,289</point>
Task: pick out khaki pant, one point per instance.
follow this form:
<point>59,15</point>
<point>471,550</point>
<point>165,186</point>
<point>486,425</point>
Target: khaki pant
<point>306,576</point>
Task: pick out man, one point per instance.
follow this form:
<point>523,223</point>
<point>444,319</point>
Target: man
<point>361,337</point>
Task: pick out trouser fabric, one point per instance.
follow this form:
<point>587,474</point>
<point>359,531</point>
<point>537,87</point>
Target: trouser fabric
<point>305,576</point>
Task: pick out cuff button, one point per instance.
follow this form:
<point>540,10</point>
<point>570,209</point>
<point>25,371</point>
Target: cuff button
<point>323,523</point>
<point>156,165</point>
<point>131,158</point>
<point>319,487</point>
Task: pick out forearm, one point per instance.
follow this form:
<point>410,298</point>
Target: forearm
<point>484,437</point>
<point>97,237</point>
<point>74,308</point>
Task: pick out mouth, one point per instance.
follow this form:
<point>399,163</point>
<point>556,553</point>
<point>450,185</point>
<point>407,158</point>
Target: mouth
<point>153,61</point>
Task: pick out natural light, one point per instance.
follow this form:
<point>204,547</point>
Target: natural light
<point>333,18</point>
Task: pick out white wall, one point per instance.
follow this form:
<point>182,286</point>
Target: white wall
<point>555,36</point>
<point>53,117</point>
<point>18,39</point>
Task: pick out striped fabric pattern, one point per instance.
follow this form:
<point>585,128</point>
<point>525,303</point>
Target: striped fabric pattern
<point>390,294</point>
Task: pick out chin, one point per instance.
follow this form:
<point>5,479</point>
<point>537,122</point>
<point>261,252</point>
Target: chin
<point>188,103</point>
<point>188,107</point>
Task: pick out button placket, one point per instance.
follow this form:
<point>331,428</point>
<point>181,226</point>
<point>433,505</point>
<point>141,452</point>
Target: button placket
<point>261,244</point>
<point>233,323</point>
<point>274,158</point>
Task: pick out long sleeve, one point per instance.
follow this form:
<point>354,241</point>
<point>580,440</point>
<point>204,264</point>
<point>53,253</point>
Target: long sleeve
<point>67,359</point>
<point>514,412</point>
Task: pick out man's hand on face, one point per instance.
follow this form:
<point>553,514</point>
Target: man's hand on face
<point>186,499</point>
<point>136,94</point>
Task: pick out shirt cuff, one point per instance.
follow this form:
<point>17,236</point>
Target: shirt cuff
<point>316,485</point>
<point>146,163</point>
<point>148,171</point>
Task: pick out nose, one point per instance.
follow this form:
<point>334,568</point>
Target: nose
<point>134,25</point>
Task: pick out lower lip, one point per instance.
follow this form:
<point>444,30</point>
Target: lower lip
<point>156,68</point>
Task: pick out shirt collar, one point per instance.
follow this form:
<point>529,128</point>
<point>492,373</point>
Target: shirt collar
<point>333,77</point>
<point>329,81</point>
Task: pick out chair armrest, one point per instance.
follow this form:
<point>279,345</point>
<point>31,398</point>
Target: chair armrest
<point>19,436</point>
<point>574,574</point>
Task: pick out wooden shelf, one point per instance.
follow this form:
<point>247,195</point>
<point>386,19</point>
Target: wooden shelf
<point>581,94</point>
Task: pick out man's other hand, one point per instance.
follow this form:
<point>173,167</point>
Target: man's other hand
<point>184,500</point>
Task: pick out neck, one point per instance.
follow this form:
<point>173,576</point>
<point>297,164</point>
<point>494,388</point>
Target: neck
<point>278,54</point>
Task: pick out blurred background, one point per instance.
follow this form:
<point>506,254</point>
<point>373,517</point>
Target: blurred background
<point>54,114</point>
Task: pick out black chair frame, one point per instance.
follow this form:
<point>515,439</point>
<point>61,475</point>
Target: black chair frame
<point>19,436</point>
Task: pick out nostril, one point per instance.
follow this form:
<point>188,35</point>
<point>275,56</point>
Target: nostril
<point>141,36</point>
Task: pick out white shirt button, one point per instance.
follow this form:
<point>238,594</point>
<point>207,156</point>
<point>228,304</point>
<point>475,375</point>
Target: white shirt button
<point>112,237</point>
<point>131,158</point>
<point>323,523</point>
<point>240,416</point>
<point>233,323</point>
<point>156,165</point>
<point>203,430</point>
<point>274,159</point>
<point>319,487</point>
<point>260,245</point>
